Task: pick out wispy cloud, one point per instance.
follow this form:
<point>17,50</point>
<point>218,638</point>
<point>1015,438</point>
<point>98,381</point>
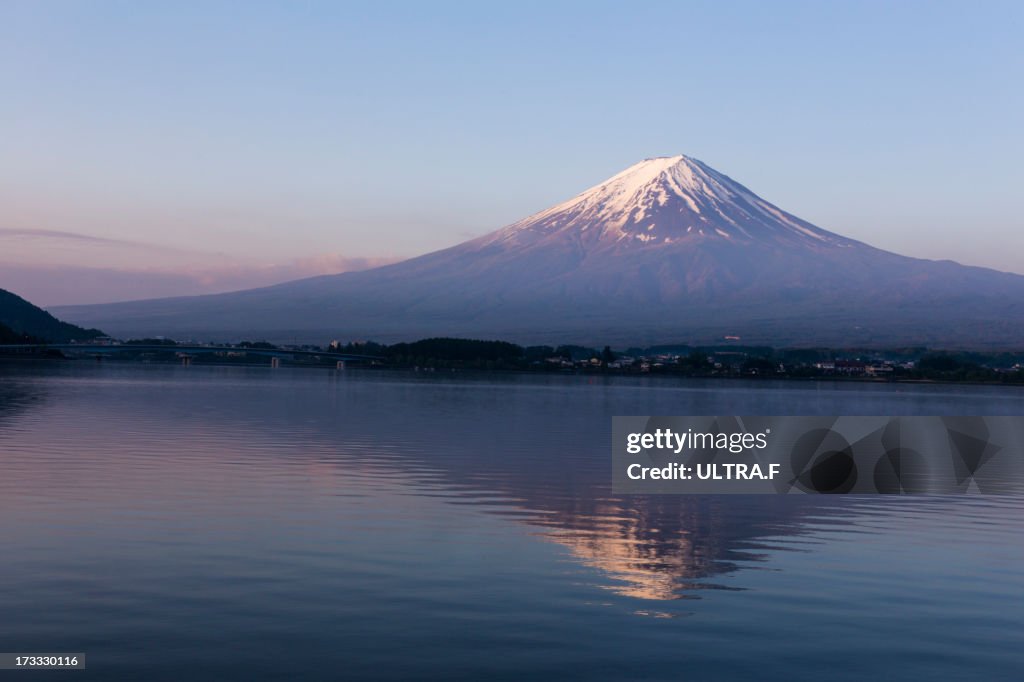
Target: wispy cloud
<point>54,267</point>
<point>50,285</point>
<point>51,235</point>
<point>60,247</point>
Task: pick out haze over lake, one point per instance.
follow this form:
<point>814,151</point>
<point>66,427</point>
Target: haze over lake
<point>208,522</point>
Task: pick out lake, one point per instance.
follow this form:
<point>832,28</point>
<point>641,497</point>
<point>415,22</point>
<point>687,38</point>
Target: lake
<point>208,523</point>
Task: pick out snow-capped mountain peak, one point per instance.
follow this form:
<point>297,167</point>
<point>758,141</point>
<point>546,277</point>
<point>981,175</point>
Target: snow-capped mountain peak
<point>666,200</point>
<point>667,251</point>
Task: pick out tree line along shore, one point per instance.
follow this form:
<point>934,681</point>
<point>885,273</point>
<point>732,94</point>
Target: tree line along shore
<point>732,360</point>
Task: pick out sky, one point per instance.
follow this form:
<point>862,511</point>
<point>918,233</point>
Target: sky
<point>179,147</point>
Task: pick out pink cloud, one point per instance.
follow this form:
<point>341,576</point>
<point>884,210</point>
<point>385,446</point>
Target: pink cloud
<point>49,285</point>
<point>54,267</point>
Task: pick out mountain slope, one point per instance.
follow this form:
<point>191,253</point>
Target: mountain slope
<point>669,250</point>
<point>22,319</point>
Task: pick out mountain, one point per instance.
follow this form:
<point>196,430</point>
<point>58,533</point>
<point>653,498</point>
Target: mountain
<point>669,250</point>
<point>22,322</point>
<point>8,335</point>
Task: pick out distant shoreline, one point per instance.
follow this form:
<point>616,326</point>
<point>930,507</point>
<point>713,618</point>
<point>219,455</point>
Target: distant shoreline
<point>594,373</point>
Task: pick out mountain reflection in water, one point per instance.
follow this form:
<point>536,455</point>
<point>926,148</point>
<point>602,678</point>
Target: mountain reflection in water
<point>535,449</point>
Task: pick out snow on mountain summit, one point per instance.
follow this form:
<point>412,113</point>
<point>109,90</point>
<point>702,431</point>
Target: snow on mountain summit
<point>666,200</point>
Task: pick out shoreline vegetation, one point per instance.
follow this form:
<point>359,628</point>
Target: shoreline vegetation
<point>22,323</point>
<point>905,365</point>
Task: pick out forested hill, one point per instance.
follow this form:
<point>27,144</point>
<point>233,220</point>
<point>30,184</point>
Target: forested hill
<point>20,319</point>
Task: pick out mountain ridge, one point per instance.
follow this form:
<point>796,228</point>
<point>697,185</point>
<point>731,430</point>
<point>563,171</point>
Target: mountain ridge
<point>23,322</point>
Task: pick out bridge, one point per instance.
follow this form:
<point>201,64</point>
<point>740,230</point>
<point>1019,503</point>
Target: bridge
<point>186,351</point>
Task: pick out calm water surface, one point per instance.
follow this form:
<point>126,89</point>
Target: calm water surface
<point>245,523</point>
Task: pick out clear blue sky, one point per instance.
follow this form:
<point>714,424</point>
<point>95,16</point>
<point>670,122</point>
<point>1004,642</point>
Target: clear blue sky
<point>282,130</point>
